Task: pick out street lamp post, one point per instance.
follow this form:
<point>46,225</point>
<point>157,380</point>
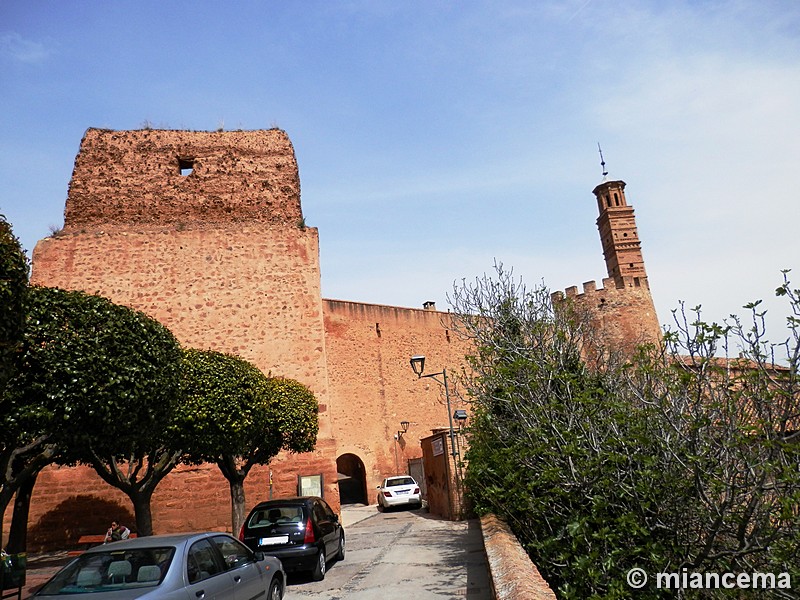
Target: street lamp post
<point>403,429</point>
<point>418,366</point>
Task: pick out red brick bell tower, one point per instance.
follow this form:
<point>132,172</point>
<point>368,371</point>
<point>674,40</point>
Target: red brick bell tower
<point>617,225</point>
<point>622,310</point>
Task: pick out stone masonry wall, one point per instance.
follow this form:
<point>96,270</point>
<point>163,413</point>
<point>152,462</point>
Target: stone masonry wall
<point>250,290</point>
<point>70,502</point>
<point>624,316</point>
<point>133,178</point>
<point>373,388</point>
<point>444,474</point>
<point>221,258</point>
<point>513,575</point>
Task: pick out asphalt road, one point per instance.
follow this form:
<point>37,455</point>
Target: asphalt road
<point>402,554</point>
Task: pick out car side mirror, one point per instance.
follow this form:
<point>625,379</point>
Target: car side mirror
<point>378,487</point>
<point>259,556</point>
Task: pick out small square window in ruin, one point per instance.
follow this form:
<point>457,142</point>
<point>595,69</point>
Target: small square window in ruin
<point>186,166</point>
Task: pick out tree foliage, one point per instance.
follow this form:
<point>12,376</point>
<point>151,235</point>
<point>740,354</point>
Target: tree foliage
<point>297,413</point>
<point>673,459</point>
<point>236,417</point>
<point>101,382</point>
<point>13,284</point>
<point>19,450</point>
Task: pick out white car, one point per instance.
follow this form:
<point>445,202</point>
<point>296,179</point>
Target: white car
<point>397,491</point>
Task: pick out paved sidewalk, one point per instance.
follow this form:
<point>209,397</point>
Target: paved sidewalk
<point>355,513</point>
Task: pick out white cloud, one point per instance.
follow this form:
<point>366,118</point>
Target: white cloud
<point>14,46</point>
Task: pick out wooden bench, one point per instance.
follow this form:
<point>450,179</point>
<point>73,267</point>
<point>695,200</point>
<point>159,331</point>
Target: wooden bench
<point>87,541</point>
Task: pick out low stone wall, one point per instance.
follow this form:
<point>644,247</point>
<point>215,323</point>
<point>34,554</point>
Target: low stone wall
<point>513,575</point>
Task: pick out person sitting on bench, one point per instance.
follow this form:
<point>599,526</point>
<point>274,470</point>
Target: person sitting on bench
<point>117,532</point>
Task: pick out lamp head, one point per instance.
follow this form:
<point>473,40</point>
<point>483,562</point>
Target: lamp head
<point>460,415</point>
<point>418,364</point>
<point>404,425</point>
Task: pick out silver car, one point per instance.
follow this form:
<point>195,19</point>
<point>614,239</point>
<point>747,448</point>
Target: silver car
<point>174,567</point>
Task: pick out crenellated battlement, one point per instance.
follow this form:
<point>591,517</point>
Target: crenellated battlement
<point>622,310</point>
<point>609,285</point>
<point>152,177</point>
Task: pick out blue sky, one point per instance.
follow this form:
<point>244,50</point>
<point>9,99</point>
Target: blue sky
<point>435,137</point>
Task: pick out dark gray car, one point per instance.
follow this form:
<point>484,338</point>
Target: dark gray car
<point>304,533</point>
<point>170,567</point>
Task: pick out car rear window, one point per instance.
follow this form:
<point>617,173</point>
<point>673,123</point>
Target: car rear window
<point>95,572</point>
<point>400,481</point>
<point>274,515</point>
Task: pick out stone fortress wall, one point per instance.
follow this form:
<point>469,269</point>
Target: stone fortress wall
<point>624,315</point>
<point>373,387</point>
<point>204,231</point>
<point>221,256</point>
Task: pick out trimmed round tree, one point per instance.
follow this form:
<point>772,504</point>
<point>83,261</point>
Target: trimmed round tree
<point>296,412</point>
<point>236,417</point>
<point>103,382</point>
<point>13,283</point>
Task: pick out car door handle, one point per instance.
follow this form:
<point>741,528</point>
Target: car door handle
<point>237,578</point>
<point>200,594</point>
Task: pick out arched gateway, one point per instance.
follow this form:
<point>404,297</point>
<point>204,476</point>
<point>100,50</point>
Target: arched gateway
<point>352,479</point>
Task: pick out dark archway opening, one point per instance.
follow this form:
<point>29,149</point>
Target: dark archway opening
<point>352,479</point>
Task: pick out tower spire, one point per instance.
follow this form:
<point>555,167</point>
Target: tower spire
<point>602,161</point>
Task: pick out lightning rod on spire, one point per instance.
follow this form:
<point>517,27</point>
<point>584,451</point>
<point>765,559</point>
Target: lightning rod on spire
<point>602,161</point>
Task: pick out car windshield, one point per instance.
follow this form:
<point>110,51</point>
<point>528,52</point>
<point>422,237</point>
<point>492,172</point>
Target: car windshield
<point>273,515</point>
<point>400,481</point>
<point>111,570</point>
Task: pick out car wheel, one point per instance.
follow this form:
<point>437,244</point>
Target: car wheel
<point>275,590</point>
<point>340,554</point>
<point>318,574</point>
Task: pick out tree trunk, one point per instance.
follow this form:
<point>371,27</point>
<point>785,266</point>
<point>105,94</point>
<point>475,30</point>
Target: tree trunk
<point>143,512</point>
<point>18,534</point>
<point>237,504</point>
<point>157,464</point>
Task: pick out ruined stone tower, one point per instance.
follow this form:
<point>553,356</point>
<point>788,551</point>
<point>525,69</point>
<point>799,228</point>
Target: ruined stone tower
<point>204,232</point>
<point>622,309</point>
